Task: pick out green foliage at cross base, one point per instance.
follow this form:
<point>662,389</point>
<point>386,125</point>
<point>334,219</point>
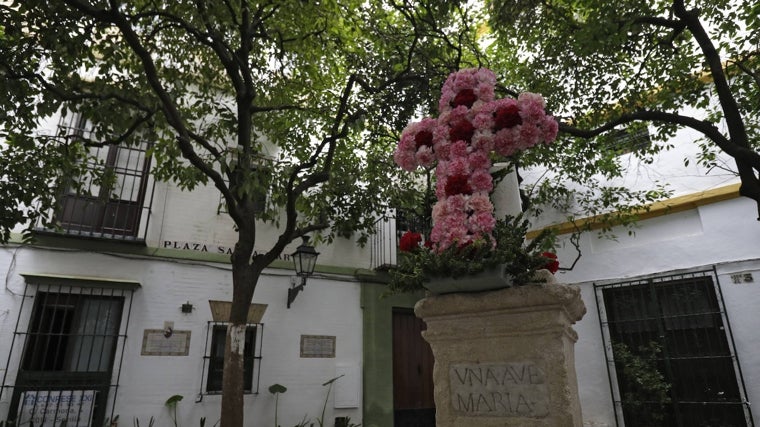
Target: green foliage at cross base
<point>508,248</point>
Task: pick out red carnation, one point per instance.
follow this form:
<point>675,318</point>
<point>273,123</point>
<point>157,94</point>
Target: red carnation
<point>425,138</point>
<point>462,131</point>
<point>552,265</point>
<point>409,241</point>
<point>507,117</point>
<point>465,97</point>
<point>457,184</point>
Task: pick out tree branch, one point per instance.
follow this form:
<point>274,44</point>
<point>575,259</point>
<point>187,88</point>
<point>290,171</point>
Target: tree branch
<point>746,70</point>
<point>169,108</point>
<point>675,24</point>
<point>704,127</point>
<point>339,130</point>
<point>74,96</point>
<point>746,163</point>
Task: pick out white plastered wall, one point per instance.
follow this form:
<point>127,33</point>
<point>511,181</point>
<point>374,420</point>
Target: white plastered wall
<point>723,235</point>
<point>328,306</point>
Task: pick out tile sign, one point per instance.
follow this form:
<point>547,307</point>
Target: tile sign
<point>157,343</point>
<point>316,346</point>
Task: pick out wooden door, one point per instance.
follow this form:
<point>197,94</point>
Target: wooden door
<point>413,404</point>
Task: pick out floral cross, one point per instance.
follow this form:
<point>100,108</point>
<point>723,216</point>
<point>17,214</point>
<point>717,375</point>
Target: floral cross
<point>471,124</point>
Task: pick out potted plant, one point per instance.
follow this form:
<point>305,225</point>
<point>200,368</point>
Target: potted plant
<point>485,264</point>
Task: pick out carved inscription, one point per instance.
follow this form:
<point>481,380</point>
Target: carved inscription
<point>498,390</point>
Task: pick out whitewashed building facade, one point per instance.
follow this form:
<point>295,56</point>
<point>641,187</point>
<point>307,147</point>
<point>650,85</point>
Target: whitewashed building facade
<point>124,308</point>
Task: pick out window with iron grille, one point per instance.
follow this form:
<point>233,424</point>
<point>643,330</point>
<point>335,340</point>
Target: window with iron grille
<point>260,168</point>
<point>259,202</point>
<point>624,141</point>
<point>115,195</point>
<point>671,358</point>
<point>68,353</point>
<point>215,341</point>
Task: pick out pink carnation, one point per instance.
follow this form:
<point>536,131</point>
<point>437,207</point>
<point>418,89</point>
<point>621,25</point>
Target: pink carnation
<point>456,203</point>
<point>405,160</point>
<point>481,180</point>
<point>436,235</point>
<point>526,98</point>
<point>530,135</point>
<point>425,157</point>
<point>442,169</point>
<point>416,137</point>
<point>458,166</point>
<point>440,189</point>
<point>480,203</point>
<point>479,160</point>
<point>482,121</point>
<point>458,149</point>
<point>506,140</point>
<point>482,140</point>
<point>550,127</point>
<point>443,149</point>
<point>440,210</point>
<point>485,89</point>
<point>483,222</point>
<point>479,82</point>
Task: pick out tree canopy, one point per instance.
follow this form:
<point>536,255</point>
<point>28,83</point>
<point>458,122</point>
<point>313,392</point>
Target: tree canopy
<point>610,65</point>
<point>217,87</point>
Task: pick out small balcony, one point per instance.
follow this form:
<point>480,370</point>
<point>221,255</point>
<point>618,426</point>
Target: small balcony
<point>116,192</point>
<point>388,232</point>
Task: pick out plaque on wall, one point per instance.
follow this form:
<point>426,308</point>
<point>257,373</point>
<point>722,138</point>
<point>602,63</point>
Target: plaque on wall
<point>318,346</point>
<point>157,342</point>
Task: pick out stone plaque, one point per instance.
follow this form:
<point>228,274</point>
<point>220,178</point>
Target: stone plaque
<point>157,343</point>
<point>318,346</point>
<point>499,390</point>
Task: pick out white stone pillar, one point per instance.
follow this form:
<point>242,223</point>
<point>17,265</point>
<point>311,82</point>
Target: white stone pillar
<point>506,194</point>
<point>505,358</point>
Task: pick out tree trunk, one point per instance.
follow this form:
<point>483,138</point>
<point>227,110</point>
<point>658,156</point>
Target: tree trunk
<point>234,347</point>
<point>244,279</point>
<point>232,378</point>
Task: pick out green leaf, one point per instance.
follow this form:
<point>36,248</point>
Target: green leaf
<point>173,400</point>
<point>277,388</point>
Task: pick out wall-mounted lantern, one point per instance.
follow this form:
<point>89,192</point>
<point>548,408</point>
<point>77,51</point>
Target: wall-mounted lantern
<point>304,261</point>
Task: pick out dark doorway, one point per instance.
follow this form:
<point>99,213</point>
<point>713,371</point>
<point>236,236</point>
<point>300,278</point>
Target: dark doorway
<point>413,404</point>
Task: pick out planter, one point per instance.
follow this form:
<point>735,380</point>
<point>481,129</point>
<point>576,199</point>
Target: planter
<point>488,280</point>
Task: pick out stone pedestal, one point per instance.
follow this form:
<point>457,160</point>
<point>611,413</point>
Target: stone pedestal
<point>505,358</point>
